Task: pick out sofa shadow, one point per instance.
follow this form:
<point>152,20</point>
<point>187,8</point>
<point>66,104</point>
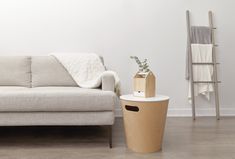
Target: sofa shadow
<point>53,136</point>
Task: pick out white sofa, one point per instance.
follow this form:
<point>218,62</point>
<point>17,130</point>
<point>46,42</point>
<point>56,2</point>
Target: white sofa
<point>38,90</point>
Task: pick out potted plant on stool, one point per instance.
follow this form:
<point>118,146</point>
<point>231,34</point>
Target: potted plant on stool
<point>144,80</point>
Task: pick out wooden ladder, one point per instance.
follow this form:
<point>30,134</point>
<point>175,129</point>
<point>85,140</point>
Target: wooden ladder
<point>214,63</point>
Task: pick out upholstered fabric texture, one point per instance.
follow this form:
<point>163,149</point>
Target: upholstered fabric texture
<point>108,82</point>
<point>56,118</point>
<point>47,71</point>
<point>55,99</point>
<point>38,90</point>
<point>15,71</point>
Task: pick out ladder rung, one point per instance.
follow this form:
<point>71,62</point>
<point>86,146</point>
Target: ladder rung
<point>204,63</point>
<point>216,45</point>
<point>214,28</point>
<point>206,81</point>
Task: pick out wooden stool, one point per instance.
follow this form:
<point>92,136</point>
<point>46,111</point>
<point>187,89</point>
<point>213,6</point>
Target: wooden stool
<point>144,122</point>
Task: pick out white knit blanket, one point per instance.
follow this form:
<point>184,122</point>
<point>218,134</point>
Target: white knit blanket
<point>86,69</point>
<point>202,53</point>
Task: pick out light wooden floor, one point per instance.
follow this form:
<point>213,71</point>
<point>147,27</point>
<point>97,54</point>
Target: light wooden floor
<point>205,138</point>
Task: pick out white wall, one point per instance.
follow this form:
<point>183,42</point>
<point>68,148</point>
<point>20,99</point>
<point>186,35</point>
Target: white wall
<point>116,29</point>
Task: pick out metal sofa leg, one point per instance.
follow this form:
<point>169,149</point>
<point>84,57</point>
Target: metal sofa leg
<point>110,136</point>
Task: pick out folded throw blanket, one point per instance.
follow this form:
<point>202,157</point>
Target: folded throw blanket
<point>202,53</point>
<point>199,35</point>
<point>86,69</point>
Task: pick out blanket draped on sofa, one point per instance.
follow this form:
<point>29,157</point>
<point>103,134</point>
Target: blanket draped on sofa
<point>86,69</point>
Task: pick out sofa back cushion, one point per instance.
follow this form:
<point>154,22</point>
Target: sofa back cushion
<point>48,71</point>
<point>15,71</point>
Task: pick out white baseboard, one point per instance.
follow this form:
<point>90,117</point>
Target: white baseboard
<point>187,112</point>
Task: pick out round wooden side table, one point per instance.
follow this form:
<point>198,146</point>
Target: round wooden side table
<point>144,122</point>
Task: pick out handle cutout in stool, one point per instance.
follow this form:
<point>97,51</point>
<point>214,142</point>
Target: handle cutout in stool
<point>132,108</point>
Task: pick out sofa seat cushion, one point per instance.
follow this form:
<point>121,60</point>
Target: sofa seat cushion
<point>55,99</point>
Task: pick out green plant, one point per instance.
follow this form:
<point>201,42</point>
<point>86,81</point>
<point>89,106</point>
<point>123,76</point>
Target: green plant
<point>143,66</point>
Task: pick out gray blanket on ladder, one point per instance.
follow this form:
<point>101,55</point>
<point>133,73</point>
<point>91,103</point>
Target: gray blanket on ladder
<point>199,35</point>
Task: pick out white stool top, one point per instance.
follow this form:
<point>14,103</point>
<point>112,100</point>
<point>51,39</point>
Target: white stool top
<point>131,97</point>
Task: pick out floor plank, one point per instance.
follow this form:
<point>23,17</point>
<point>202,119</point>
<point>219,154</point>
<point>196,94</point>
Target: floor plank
<point>204,138</point>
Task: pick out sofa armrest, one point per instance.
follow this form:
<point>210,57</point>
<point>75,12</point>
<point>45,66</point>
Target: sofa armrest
<point>108,82</point>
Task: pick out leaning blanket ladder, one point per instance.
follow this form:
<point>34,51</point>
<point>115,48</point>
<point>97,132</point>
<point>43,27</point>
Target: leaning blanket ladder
<point>214,63</point>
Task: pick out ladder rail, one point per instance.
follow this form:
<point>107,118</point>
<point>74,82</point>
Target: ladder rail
<point>215,78</point>
<point>190,63</point>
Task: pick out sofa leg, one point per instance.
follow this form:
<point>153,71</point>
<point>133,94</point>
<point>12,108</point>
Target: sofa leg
<point>110,136</point>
